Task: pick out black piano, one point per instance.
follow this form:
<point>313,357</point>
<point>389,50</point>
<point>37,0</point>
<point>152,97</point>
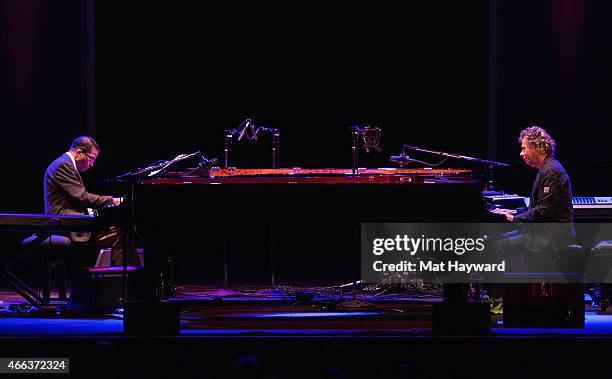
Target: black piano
<point>186,217</point>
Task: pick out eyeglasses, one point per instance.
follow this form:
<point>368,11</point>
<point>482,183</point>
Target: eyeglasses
<point>91,158</point>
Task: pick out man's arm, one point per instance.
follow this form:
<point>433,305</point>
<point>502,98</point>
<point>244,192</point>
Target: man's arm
<point>75,191</point>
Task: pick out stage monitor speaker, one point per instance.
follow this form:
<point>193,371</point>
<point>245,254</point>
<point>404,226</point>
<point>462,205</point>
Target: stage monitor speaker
<point>544,305</point>
<point>158,318</point>
<point>100,290</point>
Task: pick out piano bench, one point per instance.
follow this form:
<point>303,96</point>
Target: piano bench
<point>565,259</point>
<point>54,257</point>
<point>570,258</point>
<point>52,240</point>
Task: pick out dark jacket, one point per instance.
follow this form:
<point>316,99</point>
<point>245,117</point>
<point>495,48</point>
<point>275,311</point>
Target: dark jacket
<point>65,192</point>
<point>550,210</point>
<point>551,196</point>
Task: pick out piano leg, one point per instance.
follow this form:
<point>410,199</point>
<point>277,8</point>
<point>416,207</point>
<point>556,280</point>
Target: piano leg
<point>354,303</point>
<point>226,237</point>
<point>274,237</point>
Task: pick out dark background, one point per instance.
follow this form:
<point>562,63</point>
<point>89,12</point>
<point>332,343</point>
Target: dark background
<point>553,69</point>
<point>172,78</point>
<point>462,77</point>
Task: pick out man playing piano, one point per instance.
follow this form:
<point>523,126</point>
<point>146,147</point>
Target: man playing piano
<point>550,208</point>
<point>551,196</point>
<point>65,194</point>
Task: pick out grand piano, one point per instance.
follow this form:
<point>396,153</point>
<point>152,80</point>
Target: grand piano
<point>278,194</point>
<point>186,217</point>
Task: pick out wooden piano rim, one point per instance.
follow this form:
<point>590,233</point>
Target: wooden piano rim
<point>321,176</point>
<point>234,172</point>
<point>362,180</point>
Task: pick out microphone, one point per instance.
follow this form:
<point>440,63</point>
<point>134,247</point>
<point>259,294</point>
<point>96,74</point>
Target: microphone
<point>401,159</point>
<point>204,162</point>
<point>243,131</point>
<point>356,129</point>
<point>248,125</point>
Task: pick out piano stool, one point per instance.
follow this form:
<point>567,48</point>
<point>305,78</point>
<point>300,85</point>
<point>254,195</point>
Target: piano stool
<point>53,250</point>
<point>562,259</point>
<point>54,258</point>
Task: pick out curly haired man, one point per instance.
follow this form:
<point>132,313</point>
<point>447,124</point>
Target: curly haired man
<point>551,196</point>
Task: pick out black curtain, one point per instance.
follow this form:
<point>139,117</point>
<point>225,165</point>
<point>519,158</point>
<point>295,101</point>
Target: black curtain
<point>555,58</point>
<point>171,79</point>
<point>42,96</point>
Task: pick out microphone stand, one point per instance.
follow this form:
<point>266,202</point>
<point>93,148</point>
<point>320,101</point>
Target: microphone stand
<point>490,164</point>
<point>274,227</point>
<point>354,303</point>
<point>249,126</point>
<point>275,149</point>
<point>229,136</point>
<point>355,131</point>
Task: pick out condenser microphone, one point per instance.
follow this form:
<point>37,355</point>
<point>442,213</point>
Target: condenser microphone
<point>247,122</point>
<point>401,159</point>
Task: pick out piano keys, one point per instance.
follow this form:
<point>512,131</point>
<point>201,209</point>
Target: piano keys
<point>586,208</point>
<point>47,223</point>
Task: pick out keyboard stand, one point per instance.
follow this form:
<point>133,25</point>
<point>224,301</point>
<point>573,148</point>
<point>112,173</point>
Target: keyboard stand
<point>23,289</point>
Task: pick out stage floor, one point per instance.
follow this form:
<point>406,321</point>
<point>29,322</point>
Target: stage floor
<point>300,339</point>
<point>262,312</point>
